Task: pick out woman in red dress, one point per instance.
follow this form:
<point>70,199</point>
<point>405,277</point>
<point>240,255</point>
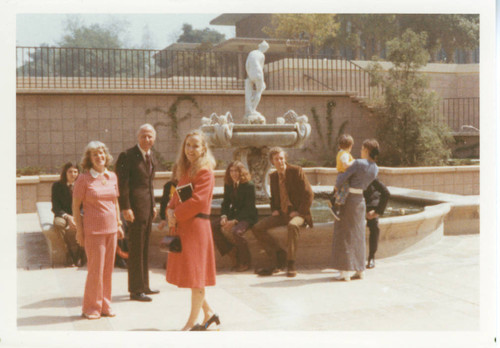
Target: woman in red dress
<point>194,267</point>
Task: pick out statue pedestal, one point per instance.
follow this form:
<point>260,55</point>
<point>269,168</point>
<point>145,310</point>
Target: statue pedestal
<point>257,161</point>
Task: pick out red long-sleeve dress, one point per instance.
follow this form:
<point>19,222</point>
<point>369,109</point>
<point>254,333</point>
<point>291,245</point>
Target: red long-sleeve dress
<point>194,267</point>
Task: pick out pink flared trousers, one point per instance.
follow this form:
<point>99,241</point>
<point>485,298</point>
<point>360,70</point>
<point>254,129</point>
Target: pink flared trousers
<point>100,250</point>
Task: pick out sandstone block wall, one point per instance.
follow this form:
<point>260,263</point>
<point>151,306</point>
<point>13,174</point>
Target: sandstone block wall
<point>55,128</point>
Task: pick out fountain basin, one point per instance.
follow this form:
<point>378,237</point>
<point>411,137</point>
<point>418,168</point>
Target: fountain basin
<point>397,234</point>
<point>443,214</point>
<point>253,135</point>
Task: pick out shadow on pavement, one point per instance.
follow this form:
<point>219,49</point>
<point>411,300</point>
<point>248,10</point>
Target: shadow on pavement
<point>44,320</point>
<point>120,298</point>
<point>149,330</point>
<point>60,302</point>
<point>32,251</point>
<point>287,282</point>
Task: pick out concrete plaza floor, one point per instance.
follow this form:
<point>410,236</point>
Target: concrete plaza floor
<point>431,289</point>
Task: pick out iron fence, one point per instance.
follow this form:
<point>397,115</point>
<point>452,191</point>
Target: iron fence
<point>127,69</point>
<point>101,68</point>
<point>460,114</point>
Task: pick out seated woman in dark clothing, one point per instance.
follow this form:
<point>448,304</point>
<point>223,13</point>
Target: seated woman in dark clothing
<point>376,197</point>
<point>238,214</point>
<point>62,195</point>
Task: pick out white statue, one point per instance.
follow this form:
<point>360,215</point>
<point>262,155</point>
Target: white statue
<point>254,84</point>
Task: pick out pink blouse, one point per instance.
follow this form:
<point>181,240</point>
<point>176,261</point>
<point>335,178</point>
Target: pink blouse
<point>98,196</point>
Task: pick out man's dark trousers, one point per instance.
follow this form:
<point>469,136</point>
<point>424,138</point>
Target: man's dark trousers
<point>135,180</point>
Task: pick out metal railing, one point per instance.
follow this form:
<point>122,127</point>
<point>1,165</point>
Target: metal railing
<point>127,69</point>
<point>460,114</point>
<point>96,68</point>
<point>101,68</point>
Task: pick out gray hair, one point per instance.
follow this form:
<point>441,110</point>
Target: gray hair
<point>146,126</point>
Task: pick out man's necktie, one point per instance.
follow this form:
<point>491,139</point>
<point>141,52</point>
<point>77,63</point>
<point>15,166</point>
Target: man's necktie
<point>149,164</point>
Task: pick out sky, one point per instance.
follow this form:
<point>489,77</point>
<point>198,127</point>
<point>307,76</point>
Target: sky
<point>40,28</point>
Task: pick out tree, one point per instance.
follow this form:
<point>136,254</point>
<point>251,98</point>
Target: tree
<point>91,51</point>
<point>200,36</point>
<point>377,29</point>
<point>405,127</point>
<point>447,31</point>
<point>147,41</point>
<point>93,36</point>
<point>364,34</point>
<point>200,61</point>
<point>317,28</point>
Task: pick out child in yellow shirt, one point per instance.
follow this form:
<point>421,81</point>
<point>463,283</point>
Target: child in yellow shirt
<point>344,161</point>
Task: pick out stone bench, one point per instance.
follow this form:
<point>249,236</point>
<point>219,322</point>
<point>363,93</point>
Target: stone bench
<point>55,242</point>
<point>397,234</point>
<point>311,246</point>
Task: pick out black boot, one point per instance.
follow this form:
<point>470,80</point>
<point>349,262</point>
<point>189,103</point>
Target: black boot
<point>291,271</point>
<point>281,259</point>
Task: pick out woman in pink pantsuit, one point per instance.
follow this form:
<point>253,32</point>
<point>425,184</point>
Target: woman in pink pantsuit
<point>194,267</point>
<point>97,190</point>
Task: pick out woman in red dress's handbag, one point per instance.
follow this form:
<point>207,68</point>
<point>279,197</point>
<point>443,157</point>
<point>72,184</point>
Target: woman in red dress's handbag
<point>194,267</point>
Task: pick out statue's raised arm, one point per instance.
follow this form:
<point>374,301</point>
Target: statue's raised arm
<point>254,84</point>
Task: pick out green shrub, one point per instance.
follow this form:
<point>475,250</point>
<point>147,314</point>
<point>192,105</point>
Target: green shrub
<point>405,129</point>
<point>30,170</point>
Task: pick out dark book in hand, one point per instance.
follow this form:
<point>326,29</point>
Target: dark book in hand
<point>185,192</point>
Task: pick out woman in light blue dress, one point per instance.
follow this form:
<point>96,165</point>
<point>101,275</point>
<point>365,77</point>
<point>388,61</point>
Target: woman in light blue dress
<point>349,247</point>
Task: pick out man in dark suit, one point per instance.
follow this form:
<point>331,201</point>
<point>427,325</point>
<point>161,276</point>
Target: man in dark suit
<point>135,169</point>
<point>291,200</point>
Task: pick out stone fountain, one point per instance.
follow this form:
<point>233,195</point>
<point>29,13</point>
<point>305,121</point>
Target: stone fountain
<point>252,139</point>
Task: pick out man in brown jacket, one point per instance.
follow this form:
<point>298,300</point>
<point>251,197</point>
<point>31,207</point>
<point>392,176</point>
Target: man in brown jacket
<point>291,199</point>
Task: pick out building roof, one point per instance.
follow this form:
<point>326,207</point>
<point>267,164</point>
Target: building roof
<point>241,44</point>
<point>229,18</point>
<point>182,46</point>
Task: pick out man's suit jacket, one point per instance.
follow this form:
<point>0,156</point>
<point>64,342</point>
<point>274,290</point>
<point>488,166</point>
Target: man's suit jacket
<point>299,191</point>
<point>135,183</point>
<point>376,197</point>
<point>240,206</point>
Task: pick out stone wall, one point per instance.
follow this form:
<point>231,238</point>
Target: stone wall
<point>55,128</point>
<point>461,180</point>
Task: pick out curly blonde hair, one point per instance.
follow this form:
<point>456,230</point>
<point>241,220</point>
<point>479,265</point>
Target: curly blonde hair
<point>206,160</point>
<point>94,145</point>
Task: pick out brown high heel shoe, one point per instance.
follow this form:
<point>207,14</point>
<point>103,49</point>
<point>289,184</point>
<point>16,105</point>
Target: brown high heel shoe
<point>213,319</point>
<point>197,327</point>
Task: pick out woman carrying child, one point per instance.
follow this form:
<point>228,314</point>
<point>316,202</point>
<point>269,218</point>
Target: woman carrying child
<point>344,161</point>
